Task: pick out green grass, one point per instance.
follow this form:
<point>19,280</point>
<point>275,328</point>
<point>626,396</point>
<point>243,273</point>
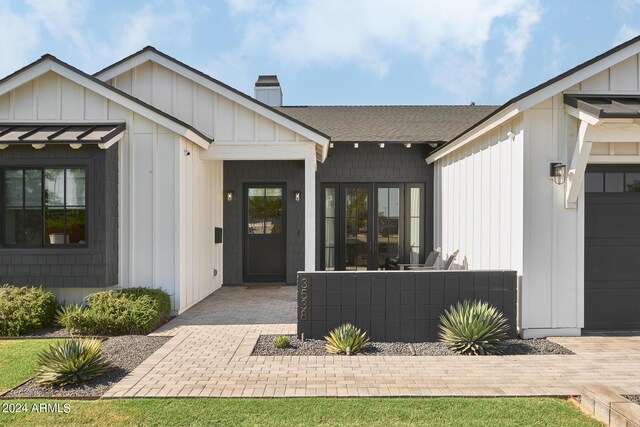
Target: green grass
<point>18,360</point>
<point>305,412</point>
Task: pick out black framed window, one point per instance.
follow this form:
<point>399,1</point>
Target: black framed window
<point>613,181</point>
<point>43,207</point>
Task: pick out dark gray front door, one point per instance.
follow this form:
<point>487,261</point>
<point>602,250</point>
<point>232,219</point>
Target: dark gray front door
<point>612,248</point>
<point>265,255</point>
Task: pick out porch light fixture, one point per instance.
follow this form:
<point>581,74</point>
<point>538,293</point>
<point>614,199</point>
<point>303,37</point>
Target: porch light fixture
<point>355,145</point>
<point>381,145</point>
<point>407,145</point>
<point>297,195</point>
<point>229,196</point>
<point>557,172</point>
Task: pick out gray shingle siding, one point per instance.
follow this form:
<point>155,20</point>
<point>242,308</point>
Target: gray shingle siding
<point>238,173</point>
<point>93,266</point>
<point>369,163</point>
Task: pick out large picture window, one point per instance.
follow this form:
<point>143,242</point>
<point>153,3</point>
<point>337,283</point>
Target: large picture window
<point>43,207</point>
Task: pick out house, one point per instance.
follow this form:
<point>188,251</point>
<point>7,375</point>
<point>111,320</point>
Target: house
<point>152,173</point>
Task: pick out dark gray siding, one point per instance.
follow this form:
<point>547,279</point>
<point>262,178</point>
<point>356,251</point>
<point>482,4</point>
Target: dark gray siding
<point>238,173</point>
<point>93,266</point>
<point>369,163</point>
<point>398,305</point>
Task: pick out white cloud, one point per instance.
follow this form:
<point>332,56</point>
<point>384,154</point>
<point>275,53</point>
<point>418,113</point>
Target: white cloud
<point>516,40</point>
<point>18,38</point>
<point>449,37</point>
<point>626,33</point>
<point>555,56</point>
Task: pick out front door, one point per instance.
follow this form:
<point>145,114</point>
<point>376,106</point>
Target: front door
<point>265,255</point>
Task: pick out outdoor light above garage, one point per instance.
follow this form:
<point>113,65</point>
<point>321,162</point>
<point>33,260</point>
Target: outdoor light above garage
<point>557,172</point>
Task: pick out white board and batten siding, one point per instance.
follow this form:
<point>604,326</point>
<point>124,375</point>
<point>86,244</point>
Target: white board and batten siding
<point>478,201</point>
<point>544,238</point>
<point>211,113</point>
<point>199,212</point>
<point>239,134</point>
<point>148,168</point>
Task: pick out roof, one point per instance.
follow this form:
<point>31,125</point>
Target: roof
<point>151,49</point>
<point>538,88</point>
<point>144,105</point>
<point>429,123</point>
<point>606,106</point>
<point>60,133</point>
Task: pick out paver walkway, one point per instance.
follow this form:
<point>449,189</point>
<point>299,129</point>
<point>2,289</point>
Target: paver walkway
<point>210,355</point>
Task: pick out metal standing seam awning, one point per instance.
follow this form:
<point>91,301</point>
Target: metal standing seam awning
<point>606,106</point>
<point>75,134</point>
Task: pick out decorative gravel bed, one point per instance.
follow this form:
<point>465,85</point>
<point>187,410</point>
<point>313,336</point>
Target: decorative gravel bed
<point>635,398</point>
<point>264,347</point>
<point>125,353</point>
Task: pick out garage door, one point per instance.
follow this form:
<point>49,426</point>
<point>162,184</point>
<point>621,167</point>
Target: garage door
<point>612,248</point>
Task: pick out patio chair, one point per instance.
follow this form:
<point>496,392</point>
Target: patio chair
<point>429,263</point>
<point>449,262</point>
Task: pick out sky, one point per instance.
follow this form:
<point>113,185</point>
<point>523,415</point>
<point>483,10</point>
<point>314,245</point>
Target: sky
<point>332,52</point>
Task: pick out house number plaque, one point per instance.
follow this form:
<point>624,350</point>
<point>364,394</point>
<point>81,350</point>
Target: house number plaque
<point>303,298</point>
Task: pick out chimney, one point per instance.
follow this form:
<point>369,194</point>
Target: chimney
<point>268,90</point>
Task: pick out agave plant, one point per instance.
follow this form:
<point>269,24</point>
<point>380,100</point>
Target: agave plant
<point>281,342</point>
<point>346,339</point>
<point>475,328</point>
<point>70,362</point>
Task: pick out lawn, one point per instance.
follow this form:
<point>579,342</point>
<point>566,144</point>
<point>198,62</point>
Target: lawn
<point>18,360</point>
<point>306,411</point>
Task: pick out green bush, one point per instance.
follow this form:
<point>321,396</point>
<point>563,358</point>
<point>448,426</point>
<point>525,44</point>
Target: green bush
<point>281,342</point>
<point>119,312</point>
<point>475,328</point>
<point>346,339</point>
<point>25,309</point>
<point>71,362</point>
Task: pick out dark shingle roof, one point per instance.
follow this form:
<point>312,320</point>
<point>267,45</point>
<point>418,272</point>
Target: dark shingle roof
<point>430,123</point>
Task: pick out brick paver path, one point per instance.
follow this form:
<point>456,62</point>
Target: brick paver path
<point>210,356</point>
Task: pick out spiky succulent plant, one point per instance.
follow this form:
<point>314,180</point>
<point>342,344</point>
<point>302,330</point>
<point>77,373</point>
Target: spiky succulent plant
<point>346,339</point>
<point>475,328</point>
<point>281,342</point>
<point>70,362</point>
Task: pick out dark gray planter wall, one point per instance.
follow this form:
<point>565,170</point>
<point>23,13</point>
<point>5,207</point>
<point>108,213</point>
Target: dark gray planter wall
<point>93,266</point>
<point>397,305</point>
<point>369,163</point>
<point>236,174</point>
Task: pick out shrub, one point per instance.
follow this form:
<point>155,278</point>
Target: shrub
<point>25,309</point>
<point>474,327</point>
<point>119,312</point>
<point>71,362</point>
<point>281,342</point>
<point>346,339</point>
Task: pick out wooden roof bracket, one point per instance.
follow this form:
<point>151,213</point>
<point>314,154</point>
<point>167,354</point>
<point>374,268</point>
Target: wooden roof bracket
<point>578,166</point>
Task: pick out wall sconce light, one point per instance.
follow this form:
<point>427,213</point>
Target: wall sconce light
<point>355,145</point>
<point>297,195</point>
<point>557,172</point>
<point>381,145</point>
<point>229,196</point>
<point>407,145</point>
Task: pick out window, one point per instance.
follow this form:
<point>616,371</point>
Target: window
<point>329,229</point>
<point>415,220</point>
<point>612,182</point>
<point>265,210</point>
<point>43,207</point>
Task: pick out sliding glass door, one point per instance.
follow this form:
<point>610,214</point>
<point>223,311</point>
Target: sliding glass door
<point>372,226</point>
